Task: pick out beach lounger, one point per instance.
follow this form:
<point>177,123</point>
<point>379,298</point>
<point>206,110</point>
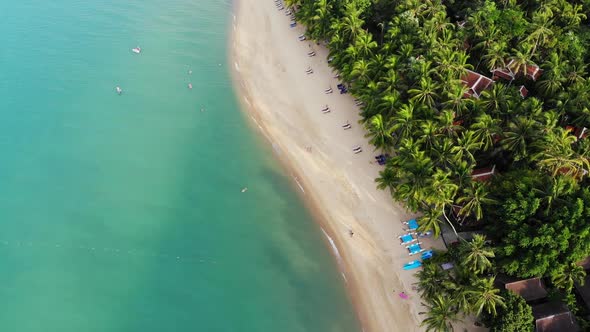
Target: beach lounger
<point>414,248</point>
<point>406,238</point>
<point>293,24</point>
<point>346,126</point>
<point>302,37</point>
<point>427,254</point>
<point>310,54</point>
<point>412,265</point>
<point>412,224</point>
<point>328,91</point>
<point>309,71</point>
<point>330,59</point>
<point>358,151</point>
<point>326,111</point>
<point>337,76</point>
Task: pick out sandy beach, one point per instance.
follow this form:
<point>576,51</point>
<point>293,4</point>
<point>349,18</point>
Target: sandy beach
<point>286,104</point>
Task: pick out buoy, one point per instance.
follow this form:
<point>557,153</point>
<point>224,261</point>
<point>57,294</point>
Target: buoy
<point>190,85</point>
<point>244,189</point>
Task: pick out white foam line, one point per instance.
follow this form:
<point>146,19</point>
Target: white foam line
<point>247,101</point>
<point>236,66</point>
<point>299,184</point>
<point>258,124</point>
<point>334,248</point>
<point>344,276</point>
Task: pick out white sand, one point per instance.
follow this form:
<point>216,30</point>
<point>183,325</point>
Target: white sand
<point>285,103</point>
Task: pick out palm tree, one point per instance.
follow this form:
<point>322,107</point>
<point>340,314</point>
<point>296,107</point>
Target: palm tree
<point>429,280</point>
<point>496,55</point>
<point>520,61</point>
<point>403,122</point>
<point>430,221</point>
<point>495,99</point>
<point>414,183</point>
<point>441,315</point>
<point>429,134</point>
<point>448,124</point>
<point>442,153</point>
<point>540,31</point>
<point>466,144</point>
<point>553,77</point>
<point>475,196</point>
<point>518,136</point>
<point>351,24</point>
<point>380,133</point>
<point>456,100</point>
<point>485,296</point>
<point>557,155</point>
<point>365,44</point>
<point>485,129</point>
<point>553,189</point>
<point>476,254</point>
<point>426,94</point>
<point>567,275</point>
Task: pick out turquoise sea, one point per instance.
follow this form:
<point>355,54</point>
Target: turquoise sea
<point>125,212</point>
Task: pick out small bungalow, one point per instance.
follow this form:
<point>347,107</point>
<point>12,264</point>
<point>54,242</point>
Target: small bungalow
<point>531,289</point>
<point>483,174</point>
<point>531,72</point>
<point>554,317</point>
<point>476,84</point>
<point>579,132</point>
<point>584,291</point>
<point>523,91</point>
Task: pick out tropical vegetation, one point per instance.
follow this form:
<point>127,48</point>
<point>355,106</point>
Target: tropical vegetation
<point>451,87</point>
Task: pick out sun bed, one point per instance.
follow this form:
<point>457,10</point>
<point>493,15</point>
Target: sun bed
<point>414,248</point>
<point>427,254</point>
<point>412,224</point>
<point>406,238</point>
<point>412,265</point>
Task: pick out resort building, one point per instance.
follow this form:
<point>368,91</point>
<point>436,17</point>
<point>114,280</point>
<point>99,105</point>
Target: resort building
<point>511,72</point>
<point>554,317</point>
<point>476,84</point>
<point>483,174</point>
<point>532,289</point>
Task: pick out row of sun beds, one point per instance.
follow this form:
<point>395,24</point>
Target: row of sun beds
<point>412,243</point>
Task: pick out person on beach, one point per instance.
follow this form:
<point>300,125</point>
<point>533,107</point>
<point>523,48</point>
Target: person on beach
<point>350,232</point>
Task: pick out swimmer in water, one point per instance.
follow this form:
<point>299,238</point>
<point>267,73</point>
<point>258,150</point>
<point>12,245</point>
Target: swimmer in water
<point>244,189</point>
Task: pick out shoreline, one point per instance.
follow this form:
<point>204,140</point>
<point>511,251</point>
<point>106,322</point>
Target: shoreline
<point>340,200</point>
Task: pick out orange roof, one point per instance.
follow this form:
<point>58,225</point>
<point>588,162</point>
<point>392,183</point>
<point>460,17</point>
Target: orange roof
<point>483,174</point>
<point>533,72</point>
<point>523,91</point>
<point>476,83</point>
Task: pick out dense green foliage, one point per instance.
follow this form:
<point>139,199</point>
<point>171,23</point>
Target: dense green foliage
<point>516,316</point>
<point>409,62</point>
<point>537,240</point>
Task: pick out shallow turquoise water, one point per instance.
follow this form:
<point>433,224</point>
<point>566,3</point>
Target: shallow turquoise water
<point>124,213</point>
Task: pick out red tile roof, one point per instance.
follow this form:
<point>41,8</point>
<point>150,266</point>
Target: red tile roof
<point>533,72</point>
<point>523,91</point>
<point>483,174</point>
<point>476,83</point>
